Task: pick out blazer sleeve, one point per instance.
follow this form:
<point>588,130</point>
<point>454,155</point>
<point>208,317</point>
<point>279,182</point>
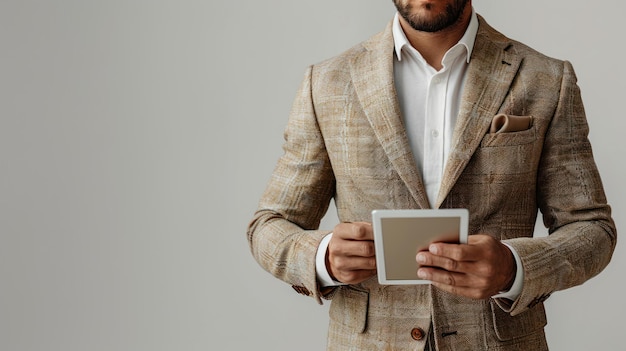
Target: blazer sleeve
<point>573,204</point>
<point>283,235</point>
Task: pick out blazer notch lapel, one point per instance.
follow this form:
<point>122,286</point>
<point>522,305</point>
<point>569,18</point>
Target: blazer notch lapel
<point>372,75</point>
<point>492,69</point>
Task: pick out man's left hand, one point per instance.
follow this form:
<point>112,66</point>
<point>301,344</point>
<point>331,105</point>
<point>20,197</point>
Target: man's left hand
<point>479,269</point>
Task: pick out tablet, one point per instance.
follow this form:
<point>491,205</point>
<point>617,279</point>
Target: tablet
<point>400,234</point>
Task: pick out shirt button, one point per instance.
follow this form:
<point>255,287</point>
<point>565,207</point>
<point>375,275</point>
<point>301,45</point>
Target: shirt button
<point>417,334</point>
<point>434,133</point>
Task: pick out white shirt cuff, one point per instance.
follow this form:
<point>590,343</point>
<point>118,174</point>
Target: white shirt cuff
<point>518,283</point>
<point>323,277</point>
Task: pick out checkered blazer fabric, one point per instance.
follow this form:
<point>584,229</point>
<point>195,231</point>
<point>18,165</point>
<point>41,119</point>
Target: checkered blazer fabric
<point>345,141</point>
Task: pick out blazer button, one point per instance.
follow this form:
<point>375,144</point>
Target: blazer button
<point>417,334</point>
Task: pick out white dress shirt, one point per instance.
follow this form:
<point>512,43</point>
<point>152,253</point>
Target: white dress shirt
<point>429,102</point>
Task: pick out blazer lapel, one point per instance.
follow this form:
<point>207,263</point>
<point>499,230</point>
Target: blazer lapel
<point>372,75</point>
<point>492,68</point>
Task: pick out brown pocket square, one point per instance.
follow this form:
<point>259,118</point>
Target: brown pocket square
<point>502,123</point>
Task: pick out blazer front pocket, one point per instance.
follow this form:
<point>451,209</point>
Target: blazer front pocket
<point>349,308</point>
<point>509,327</point>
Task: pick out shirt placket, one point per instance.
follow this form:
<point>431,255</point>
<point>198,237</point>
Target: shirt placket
<point>434,133</point>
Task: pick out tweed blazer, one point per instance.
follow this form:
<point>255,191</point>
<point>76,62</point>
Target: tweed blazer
<point>345,141</point>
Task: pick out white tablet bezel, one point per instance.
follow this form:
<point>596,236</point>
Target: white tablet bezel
<point>461,215</point>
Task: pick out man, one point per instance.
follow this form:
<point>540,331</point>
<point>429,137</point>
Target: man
<point>437,111</point>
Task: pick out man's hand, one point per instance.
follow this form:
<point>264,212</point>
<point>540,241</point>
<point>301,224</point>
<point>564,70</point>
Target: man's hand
<point>479,269</point>
<point>351,257</point>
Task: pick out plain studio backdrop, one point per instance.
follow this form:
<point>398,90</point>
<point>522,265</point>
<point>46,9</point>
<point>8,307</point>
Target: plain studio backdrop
<point>136,138</point>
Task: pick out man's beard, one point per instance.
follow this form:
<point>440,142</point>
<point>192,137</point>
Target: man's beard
<point>440,22</point>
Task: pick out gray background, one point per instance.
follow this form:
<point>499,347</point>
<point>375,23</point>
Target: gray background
<point>137,136</point>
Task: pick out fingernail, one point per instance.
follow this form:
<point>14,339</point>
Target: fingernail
<point>433,249</point>
<point>421,274</point>
<point>421,258</point>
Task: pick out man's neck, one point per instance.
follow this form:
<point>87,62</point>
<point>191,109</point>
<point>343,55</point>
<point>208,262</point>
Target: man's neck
<point>433,46</point>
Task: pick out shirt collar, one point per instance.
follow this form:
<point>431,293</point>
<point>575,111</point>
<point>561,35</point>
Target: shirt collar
<point>400,40</point>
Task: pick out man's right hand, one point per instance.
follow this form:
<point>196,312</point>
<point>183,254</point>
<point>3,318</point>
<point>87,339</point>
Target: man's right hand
<point>351,258</point>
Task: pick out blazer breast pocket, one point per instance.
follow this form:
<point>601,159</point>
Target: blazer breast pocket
<point>508,152</point>
<point>509,139</point>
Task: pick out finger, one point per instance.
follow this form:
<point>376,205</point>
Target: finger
<point>443,277</point>
<point>478,271</point>
<point>354,231</point>
<point>344,263</point>
<point>458,283</point>
<point>351,248</point>
<point>448,264</point>
<point>456,252</point>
